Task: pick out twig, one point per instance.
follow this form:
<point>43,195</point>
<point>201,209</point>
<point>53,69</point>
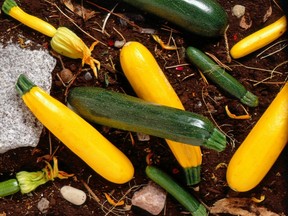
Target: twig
<point>107,17</point>
<point>177,53</point>
<point>281,41</point>
<point>94,196</point>
<point>72,21</point>
<point>115,14</point>
<point>230,137</point>
<point>276,51</point>
<point>123,38</point>
<point>254,68</point>
<point>178,65</point>
<point>218,61</point>
<point>269,83</point>
<point>124,195</point>
<point>227,45</point>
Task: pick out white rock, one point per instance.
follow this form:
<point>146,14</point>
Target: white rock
<point>151,198</point>
<point>18,125</point>
<point>238,11</point>
<point>73,195</point>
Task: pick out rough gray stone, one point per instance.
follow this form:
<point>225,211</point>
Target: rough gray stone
<point>18,126</point>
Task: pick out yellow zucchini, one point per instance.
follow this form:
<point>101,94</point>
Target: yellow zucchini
<point>150,83</point>
<point>11,8</point>
<point>78,135</point>
<point>259,39</point>
<point>64,41</point>
<point>261,148</point>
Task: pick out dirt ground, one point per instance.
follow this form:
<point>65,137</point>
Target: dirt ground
<point>196,95</point>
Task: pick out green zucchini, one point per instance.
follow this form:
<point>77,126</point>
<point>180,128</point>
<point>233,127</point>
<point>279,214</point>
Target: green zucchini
<point>220,77</point>
<point>9,187</point>
<point>203,17</point>
<point>176,190</point>
<point>134,114</point>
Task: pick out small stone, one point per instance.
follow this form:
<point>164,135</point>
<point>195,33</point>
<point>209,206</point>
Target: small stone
<point>119,44</point>
<point>238,11</point>
<point>73,195</point>
<point>66,75</point>
<point>143,137</point>
<point>43,205</point>
<point>151,198</point>
<point>88,76</point>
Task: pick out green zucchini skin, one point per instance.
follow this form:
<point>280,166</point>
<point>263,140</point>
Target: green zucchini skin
<point>178,192</point>
<point>202,17</point>
<point>220,77</point>
<point>9,187</point>
<point>129,113</point>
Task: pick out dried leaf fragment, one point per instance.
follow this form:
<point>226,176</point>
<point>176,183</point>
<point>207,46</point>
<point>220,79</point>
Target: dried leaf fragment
<point>267,14</point>
<point>79,10</point>
<point>239,206</point>
<point>245,22</point>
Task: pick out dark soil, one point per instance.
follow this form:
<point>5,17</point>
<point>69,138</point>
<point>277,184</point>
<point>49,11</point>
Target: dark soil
<point>192,90</point>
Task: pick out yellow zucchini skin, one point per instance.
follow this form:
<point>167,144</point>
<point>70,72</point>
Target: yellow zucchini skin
<point>78,135</point>
<point>259,39</point>
<point>11,8</point>
<point>149,82</point>
<point>261,148</point>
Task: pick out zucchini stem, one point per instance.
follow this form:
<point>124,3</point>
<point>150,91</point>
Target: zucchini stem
<point>217,141</point>
<point>24,85</point>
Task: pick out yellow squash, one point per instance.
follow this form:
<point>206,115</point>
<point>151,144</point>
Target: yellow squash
<point>12,9</point>
<point>64,41</point>
<point>261,148</point>
<point>150,84</point>
<point>78,135</point>
<point>259,39</point>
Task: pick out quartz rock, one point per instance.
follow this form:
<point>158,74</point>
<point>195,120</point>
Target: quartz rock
<point>151,198</point>
<point>73,195</point>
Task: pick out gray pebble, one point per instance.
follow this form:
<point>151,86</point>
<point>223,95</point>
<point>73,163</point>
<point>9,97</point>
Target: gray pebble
<point>43,205</point>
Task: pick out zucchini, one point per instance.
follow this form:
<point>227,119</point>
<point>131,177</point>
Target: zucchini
<point>203,17</point>
<point>150,83</point>
<point>259,39</point>
<point>176,190</point>
<point>261,148</point>
<point>220,77</point>
<point>133,114</point>
<point>76,133</point>
<point>9,187</point>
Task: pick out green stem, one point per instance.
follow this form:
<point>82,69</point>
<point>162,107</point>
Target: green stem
<point>7,5</point>
<point>192,175</point>
<point>217,141</point>
<point>24,85</point>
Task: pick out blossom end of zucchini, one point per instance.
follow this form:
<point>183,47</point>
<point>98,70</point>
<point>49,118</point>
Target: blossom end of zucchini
<point>29,181</point>
<point>67,43</point>
<point>192,175</point>
<point>250,99</point>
